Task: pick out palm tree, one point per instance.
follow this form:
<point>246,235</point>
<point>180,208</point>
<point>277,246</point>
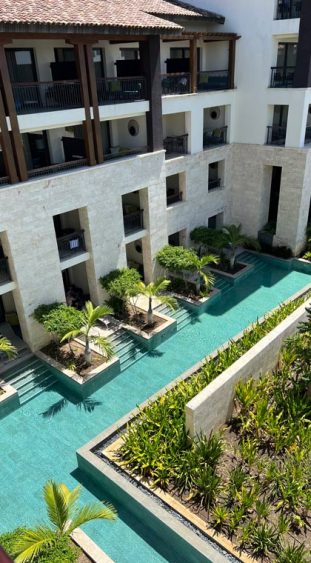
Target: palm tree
<point>234,238</point>
<point>7,348</point>
<point>64,515</point>
<point>90,316</point>
<point>154,291</point>
<point>199,264</point>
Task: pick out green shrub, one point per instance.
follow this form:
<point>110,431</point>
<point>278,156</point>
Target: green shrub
<point>58,319</point>
<point>177,258</point>
<point>63,550</point>
<point>208,237</point>
<point>121,283</point>
<point>8,539</point>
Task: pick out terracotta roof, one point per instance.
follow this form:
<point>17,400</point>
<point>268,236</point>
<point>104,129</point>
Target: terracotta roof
<point>137,14</point>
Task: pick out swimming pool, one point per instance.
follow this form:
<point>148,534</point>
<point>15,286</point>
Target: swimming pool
<point>39,440</point>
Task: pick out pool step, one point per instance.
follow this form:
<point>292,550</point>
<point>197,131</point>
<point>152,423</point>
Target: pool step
<point>126,348</point>
<point>30,379</point>
<point>182,315</point>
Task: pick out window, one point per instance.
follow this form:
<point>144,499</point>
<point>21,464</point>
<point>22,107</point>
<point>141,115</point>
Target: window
<point>179,53</point>
<point>129,53</point>
<point>21,65</point>
<point>67,55</point>
<point>287,54</point>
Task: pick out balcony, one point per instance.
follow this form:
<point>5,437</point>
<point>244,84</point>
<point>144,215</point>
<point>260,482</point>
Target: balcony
<point>176,83</point>
<point>57,168</point>
<point>5,275</point>
<point>173,198</point>
<point>288,9</point>
<point>215,137</point>
<point>36,97</point>
<point>121,90</point>
<point>71,244</point>
<point>282,77</point>
<point>210,80</point>
<point>133,221</point>
<point>176,145</point>
<point>214,184</point>
<point>276,135</point>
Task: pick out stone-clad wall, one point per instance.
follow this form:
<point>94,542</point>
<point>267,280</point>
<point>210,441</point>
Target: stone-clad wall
<point>28,236</point>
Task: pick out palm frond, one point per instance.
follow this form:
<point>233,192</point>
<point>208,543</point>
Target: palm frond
<point>92,512</point>
<point>105,346</point>
<point>72,334</point>
<point>209,259</point>
<point>71,497</point>
<point>171,302</point>
<point>29,544</point>
<point>7,348</point>
<point>56,505</point>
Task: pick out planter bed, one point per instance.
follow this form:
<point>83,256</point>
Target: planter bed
<point>9,399</point>
<point>189,298</point>
<point>150,336</point>
<point>241,269</point>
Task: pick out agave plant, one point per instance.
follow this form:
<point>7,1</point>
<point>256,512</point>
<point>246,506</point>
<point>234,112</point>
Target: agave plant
<point>64,515</point>
<point>7,348</point>
<point>154,290</point>
<point>89,318</point>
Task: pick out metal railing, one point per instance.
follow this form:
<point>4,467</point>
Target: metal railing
<point>121,90</point>
<point>34,97</point>
<point>276,135</point>
<point>55,168</point>
<point>125,152</point>
<point>133,221</point>
<point>214,184</point>
<point>308,135</point>
<point>4,180</point>
<point>174,198</point>
<point>288,9</point>
<point>5,275</point>
<point>176,83</point>
<point>71,244</point>
<point>212,80</point>
<point>176,145</point>
<point>215,137</point>
<point>282,77</point>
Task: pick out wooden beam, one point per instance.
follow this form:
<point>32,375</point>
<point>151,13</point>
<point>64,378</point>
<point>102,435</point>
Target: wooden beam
<point>6,145</point>
<point>194,64</point>
<point>150,57</point>
<point>88,37</point>
<point>231,62</point>
<point>87,124</point>
<point>98,141</point>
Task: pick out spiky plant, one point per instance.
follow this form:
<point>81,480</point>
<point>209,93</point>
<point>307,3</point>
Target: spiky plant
<point>7,348</point>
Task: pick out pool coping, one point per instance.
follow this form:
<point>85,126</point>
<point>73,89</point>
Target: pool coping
<point>89,547</point>
<point>89,452</point>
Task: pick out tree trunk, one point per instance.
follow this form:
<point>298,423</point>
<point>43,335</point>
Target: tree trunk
<point>87,352</point>
<point>232,260</point>
<point>150,312</point>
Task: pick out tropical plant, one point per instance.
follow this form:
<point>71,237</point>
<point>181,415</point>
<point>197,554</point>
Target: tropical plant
<point>7,348</point>
<point>154,290</point>
<point>264,539</point>
<point>207,237</point>
<point>121,285</point>
<point>89,318</point>
<point>199,265</point>
<point>293,554</point>
<point>64,515</point>
<point>234,238</point>
<point>58,318</point>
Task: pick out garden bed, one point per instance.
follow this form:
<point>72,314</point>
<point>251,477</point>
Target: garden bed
<point>71,356</point>
<point>150,336</point>
<point>240,269</point>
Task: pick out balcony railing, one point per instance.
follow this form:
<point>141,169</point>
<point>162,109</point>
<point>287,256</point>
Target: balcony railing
<point>121,90</point>
<point>215,137</point>
<point>174,198</point>
<point>133,221</point>
<point>308,135</point>
<point>282,77</point>
<point>176,145</point>
<point>214,184</point>
<point>288,9</point>
<point>176,83</point>
<point>4,180</point>
<point>57,168</point>
<point>71,244</point>
<point>119,152</point>
<point>34,97</point>
<point>5,275</point>
<point>276,135</point>
<point>213,80</point>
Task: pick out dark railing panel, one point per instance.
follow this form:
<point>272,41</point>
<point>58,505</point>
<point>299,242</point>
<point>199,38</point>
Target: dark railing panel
<point>133,221</point>
<point>55,168</point>
<point>288,9</point>
<point>176,83</point>
<point>213,80</point>
<point>176,145</point>
<point>282,77</point>
<point>125,152</point>
<point>276,135</point>
<point>214,137</point>
<point>308,135</point>
<point>5,275</point>
<point>214,184</point>
<point>121,90</point>
<point>4,180</point>
<point>174,198</point>
<point>34,97</point>
<point>70,244</point>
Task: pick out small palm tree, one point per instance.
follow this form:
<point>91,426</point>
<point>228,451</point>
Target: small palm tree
<point>7,348</point>
<point>90,316</point>
<point>199,264</point>
<point>64,515</point>
<point>154,290</point>
<point>234,238</point>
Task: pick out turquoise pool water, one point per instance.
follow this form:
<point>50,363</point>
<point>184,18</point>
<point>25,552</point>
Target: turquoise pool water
<point>39,440</point>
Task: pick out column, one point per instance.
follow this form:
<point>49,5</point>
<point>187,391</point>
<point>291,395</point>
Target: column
<point>231,63</point>
<point>194,65</point>
<point>94,103</point>
<point>150,57</point>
